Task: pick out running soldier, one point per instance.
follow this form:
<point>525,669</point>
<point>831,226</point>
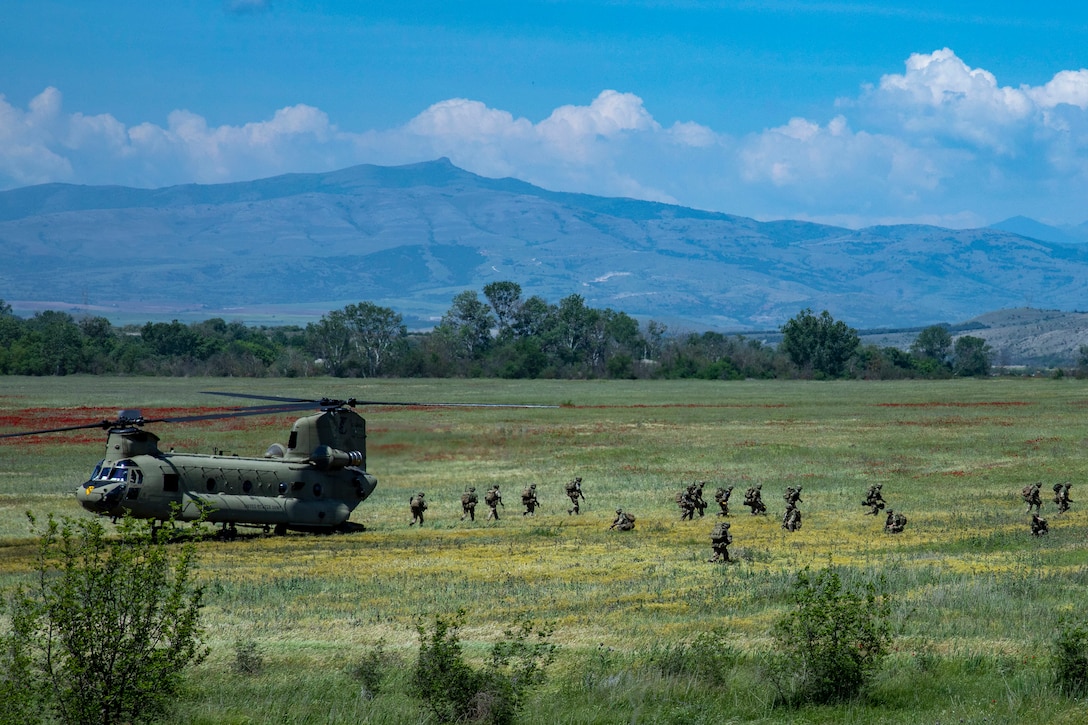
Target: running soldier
<point>895,523</point>
<point>874,500</point>
<point>720,539</point>
<point>468,504</point>
<point>623,521</point>
<point>1030,494</point>
<point>1063,505</point>
<point>574,491</point>
<point>722,497</point>
<point>697,498</point>
<point>493,499</point>
<point>791,520</point>
<point>753,499</point>
<point>685,499</point>
<point>1039,525</point>
<point>529,500</point>
<point>418,506</point>
<point>792,496</point>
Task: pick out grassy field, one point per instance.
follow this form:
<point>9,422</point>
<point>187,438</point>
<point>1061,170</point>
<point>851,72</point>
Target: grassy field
<point>976,600</point>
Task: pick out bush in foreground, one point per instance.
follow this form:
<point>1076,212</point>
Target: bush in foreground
<point>832,642</point>
<point>104,633</point>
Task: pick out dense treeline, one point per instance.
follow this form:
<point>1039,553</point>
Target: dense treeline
<point>501,334</point>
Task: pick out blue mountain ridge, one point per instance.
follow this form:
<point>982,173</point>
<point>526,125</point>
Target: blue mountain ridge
<point>411,237</point>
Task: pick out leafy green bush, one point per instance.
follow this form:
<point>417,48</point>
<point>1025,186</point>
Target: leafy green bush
<point>109,625</point>
<point>832,642</point>
<point>707,657</point>
<point>454,691</point>
<point>1070,651</point>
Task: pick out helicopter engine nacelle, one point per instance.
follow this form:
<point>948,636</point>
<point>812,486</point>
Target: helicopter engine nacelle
<point>327,458</point>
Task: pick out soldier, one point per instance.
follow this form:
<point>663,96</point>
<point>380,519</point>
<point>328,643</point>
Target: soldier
<point>1030,494</point>
<point>1058,496</point>
<point>791,520</point>
<point>1039,525</point>
<point>623,521</point>
<point>895,523</point>
<point>722,497</point>
<point>1063,506</point>
<point>697,498</point>
<point>753,499</point>
<point>468,504</point>
<point>720,539</point>
<point>792,496</point>
<point>418,506</point>
<point>685,499</point>
<point>574,491</point>
<point>493,499</point>
<point>529,500</point>
<point>873,499</point>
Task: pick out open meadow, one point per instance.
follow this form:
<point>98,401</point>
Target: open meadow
<point>976,600</point>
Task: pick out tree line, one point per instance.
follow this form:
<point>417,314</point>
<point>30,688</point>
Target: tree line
<point>499,334</point>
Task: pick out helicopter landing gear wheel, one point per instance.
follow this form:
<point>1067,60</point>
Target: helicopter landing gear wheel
<point>229,532</point>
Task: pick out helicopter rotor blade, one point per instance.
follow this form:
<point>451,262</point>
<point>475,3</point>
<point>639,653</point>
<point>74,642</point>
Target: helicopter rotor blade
<point>103,424</point>
<point>329,402</point>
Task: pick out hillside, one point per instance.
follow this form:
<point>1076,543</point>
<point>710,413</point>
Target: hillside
<point>292,247</point>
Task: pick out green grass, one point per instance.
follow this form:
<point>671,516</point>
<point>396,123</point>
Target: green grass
<point>975,598</point>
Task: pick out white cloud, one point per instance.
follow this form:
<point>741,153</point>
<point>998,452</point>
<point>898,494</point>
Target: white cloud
<point>939,141</point>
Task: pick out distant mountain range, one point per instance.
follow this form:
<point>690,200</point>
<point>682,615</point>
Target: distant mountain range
<point>293,247</point>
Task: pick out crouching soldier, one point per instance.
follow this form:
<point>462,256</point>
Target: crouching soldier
<point>623,521</point>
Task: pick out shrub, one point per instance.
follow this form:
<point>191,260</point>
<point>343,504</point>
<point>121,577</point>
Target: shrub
<point>1070,652</point>
<point>248,658</point>
<point>109,624</point>
<point>454,691</point>
<point>708,658</point>
<point>831,643</point>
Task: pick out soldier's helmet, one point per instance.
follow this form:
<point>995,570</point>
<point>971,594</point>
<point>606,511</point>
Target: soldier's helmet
<point>1057,486</point>
<point>619,511</point>
<point>578,479</point>
<point>471,489</point>
<point>759,486</point>
<point>420,493</point>
<point>891,511</point>
<point>532,485</point>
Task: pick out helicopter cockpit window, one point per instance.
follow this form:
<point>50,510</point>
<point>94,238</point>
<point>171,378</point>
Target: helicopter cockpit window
<point>120,472</point>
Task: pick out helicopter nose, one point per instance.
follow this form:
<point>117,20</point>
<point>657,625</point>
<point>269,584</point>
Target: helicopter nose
<point>100,498</point>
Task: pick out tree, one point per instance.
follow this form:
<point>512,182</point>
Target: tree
<point>468,325</point>
<point>971,356</point>
<point>505,300</point>
<point>933,343</point>
<point>110,624</point>
<point>819,343</point>
<point>330,341</point>
<point>374,333</point>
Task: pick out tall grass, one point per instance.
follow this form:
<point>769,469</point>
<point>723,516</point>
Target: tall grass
<point>975,597</point>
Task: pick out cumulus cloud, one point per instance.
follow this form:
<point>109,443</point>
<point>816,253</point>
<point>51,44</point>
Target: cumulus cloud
<point>940,142</point>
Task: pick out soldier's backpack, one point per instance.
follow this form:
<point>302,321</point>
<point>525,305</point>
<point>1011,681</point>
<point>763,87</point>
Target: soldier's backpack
<point>491,497</point>
<point>720,534</point>
<point>572,486</point>
<point>468,497</point>
<point>629,517</point>
<point>1025,492</point>
<point>681,495</point>
<point>527,494</point>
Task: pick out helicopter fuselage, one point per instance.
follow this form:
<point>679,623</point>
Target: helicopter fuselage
<point>287,489</point>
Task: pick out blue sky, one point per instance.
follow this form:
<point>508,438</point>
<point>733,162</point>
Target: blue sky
<point>855,113</point>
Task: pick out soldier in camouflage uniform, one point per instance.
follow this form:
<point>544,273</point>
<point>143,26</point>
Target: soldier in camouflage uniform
<point>1063,506</point>
<point>722,497</point>
<point>468,504</point>
<point>685,499</point>
<point>529,500</point>
<point>753,499</point>
<point>791,520</point>
<point>895,523</point>
<point>792,496</point>
<point>720,539</point>
<point>1039,525</point>
<point>697,498</point>
<point>874,500</point>
<point>418,506</point>
<point>1030,494</point>
<point>493,499</point>
<point>623,521</point>
<point>574,491</point>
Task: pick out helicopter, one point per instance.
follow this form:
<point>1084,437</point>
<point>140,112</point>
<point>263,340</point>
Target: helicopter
<point>313,484</point>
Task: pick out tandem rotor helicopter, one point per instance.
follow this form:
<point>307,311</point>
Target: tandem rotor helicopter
<point>313,484</point>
